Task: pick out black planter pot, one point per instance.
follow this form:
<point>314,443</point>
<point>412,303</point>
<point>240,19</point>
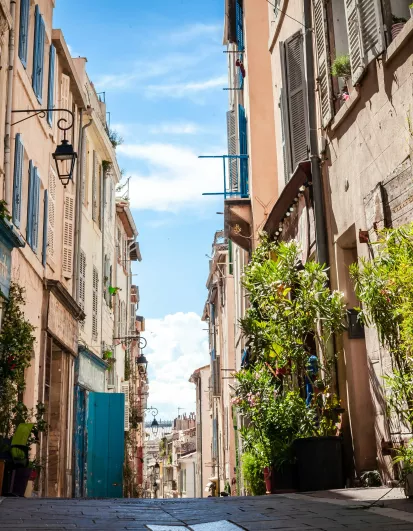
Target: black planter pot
<point>281,481</point>
<point>319,463</point>
<point>19,480</point>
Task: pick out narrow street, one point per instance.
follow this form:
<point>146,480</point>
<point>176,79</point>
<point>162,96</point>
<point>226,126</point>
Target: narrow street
<point>292,512</point>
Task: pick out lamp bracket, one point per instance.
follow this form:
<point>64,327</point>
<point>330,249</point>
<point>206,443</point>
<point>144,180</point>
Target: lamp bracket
<point>42,114</point>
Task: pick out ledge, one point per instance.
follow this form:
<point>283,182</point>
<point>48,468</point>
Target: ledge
<point>345,109</point>
<point>400,41</point>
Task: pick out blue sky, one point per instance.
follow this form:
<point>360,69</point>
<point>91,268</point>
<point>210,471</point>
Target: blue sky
<point>162,66</point>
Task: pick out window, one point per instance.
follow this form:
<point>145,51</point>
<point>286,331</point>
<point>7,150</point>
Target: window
<point>95,304</point>
<point>96,180</point>
<point>111,377</point>
<point>24,30</point>
<point>51,214</point>
<point>86,170</point>
<point>68,234</point>
<point>50,92</point>
<point>243,149</point>
<point>82,283</point>
<point>32,229</point>
<point>294,105</point>
<point>232,150</point>
<point>45,226</point>
<point>38,54</point>
<point>17,179</point>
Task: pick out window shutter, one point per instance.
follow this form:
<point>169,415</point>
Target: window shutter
<point>85,171</point>
<point>125,390</point>
<point>17,180</point>
<point>95,304</point>
<point>68,234</point>
<point>50,94</point>
<point>94,189</point>
<point>243,150</point>
<point>38,55</point>
<point>45,226</point>
<point>325,89</point>
<point>284,139</point>
<point>285,122</point>
<point>64,98</point>
<point>52,214</point>
<point>82,282</point>
<point>240,26</point>
<point>36,210</point>
<point>30,203</point>
<point>232,150</point>
<point>297,107</point>
<point>24,31</point>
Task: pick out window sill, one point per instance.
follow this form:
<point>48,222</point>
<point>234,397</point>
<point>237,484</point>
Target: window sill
<point>400,41</point>
<point>345,109</point>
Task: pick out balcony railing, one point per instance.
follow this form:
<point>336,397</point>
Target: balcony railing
<point>235,173</point>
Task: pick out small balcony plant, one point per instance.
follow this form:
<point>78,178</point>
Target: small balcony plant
<point>341,67</point>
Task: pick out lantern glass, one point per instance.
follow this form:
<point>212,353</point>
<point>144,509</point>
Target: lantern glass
<point>65,159</point>
<point>142,363</point>
<point>155,427</point>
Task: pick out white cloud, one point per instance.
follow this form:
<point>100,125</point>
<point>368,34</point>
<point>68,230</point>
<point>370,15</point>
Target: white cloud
<point>196,31</point>
<point>176,177</point>
<point>174,129</point>
<point>177,345</point>
<point>180,90</point>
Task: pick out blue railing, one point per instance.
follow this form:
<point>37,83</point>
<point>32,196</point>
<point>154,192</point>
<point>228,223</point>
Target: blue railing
<point>235,175</point>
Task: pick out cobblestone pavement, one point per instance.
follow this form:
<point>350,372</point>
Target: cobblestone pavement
<point>282,512</point>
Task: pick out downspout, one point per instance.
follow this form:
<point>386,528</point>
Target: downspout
<point>201,436</point>
<point>319,205</point>
<point>78,230</point>
<point>9,103</point>
<point>103,208</point>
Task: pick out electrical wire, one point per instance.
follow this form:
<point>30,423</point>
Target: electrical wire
<point>288,16</point>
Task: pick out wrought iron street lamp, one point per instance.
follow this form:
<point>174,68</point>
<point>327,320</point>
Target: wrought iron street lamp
<point>142,363</point>
<point>155,427</point>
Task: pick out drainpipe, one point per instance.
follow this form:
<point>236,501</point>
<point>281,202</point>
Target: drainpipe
<point>319,205</point>
<point>102,221</point>
<point>78,229</point>
<point>9,103</point>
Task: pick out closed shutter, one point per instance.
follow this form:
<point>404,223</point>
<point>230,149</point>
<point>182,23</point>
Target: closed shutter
<point>125,390</point>
<point>36,210</point>
<point>365,34</point>
<point>240,25</point>
<point>68,235</point>
<point>95,304</point>
<point>38,54</point>
<point>24,30</point>
<point>29,226</point>
<point>50,92</point>
<point>45,226</point>
<point>64,99</point>
<point>85,171</point>
<point>243,150</point>
<point>94,189</point>
<point>232,150</point>
<point>297,107</point>
<point>18,180</point>
<point>325,89</point>
<point>52,214</point>
<point>82,283</point>
<point>286,153</point>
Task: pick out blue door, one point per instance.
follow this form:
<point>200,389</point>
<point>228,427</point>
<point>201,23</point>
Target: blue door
<point>105,445</point>
<point>80,441</point>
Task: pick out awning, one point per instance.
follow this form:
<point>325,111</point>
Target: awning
<point>301,175</point>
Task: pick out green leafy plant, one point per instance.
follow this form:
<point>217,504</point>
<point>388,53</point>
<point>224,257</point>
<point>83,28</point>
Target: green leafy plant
<point>115,138</point>
<point>398,20</point>
<point>114,290</point>
<point>341,67</point>
<point>107,355</point>
<point>252,468</point>
<point>4,212</point>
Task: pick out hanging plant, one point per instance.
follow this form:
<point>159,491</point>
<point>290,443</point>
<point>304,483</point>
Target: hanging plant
<point>4,212</point>
<point>341,67</point>
<point>108,354</point>
<point>114,290</point>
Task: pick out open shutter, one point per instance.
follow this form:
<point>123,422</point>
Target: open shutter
<point>24,30</point>
<point>232,150</point>
<point>82,283</point>
<point>325,89</point>
<point>243,150</point>
<point>45,226</point>
<point>94,189</point>
<point>36,210</point>
<point>68,234</point>
<point>52,214</point>
<point>17,180</point>
<point>125,390</point>
<point>286,155</point>
<point>297,107</point>
<point>38,54</point>
<point>355,43</point>
<point>30,202</point>
<point>50,93</point>
<point>95,304</point>
<point>240,26</point>
<point>64,98</point>
<point>285,121</point>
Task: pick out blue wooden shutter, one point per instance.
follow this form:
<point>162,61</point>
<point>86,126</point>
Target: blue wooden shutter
<point>50,94</point>
<point>36,210</point>
<point>38,55</point>
<point>24,30</point>
<point>240,26</point>
<point>30,202</point>
<point>17,181</point>
<point>45,226</point>
<point>243,150</point>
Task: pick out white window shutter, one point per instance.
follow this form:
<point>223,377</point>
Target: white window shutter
<point>64,100</point>
<point>68,234</point>
<point>232,150</point>
<point>94,188</point>
<point>325,89</point>
<point>52,214</point>
<point>125,390</point>
<point>95,304</point>
<point>365,34</point>
<point>82,282</point>
<point>297,105</point>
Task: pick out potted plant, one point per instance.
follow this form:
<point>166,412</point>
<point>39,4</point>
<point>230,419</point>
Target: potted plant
<point>341,67</point>
<point>397,26</point>
<point>411,10</point>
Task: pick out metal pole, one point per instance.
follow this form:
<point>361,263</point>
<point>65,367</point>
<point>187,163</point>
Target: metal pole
<point>9,104</point>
